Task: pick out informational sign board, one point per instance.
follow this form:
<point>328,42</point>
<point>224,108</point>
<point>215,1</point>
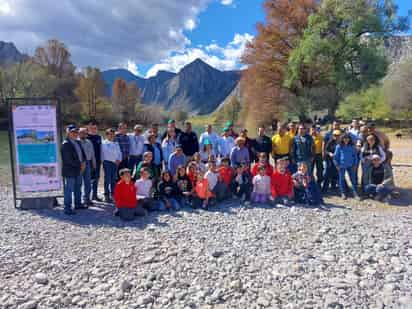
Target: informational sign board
<point>35,144</point>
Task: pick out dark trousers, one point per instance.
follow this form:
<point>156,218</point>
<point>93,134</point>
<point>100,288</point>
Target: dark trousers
<point>72,187</point>
<point>318,163</point>
<point>374,190</point>
<point>242,191</point>
<point>95,180</point>
<point>310,195</point>
<point>110,176</point>
<point>330,176</point>
<point>128,214</point>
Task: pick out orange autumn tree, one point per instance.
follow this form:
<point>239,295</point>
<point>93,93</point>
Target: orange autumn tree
<point>267,59</point>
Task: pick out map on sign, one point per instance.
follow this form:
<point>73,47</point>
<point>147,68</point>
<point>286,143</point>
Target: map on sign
<point>36,148</point>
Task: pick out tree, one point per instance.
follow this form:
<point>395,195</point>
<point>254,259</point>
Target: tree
<point>267,58</point>
<point>230,111</point>
<point>126,99</point>
<point>91,87</point>
<point>341,47</point>
<point>398,88</point>
<point>56,58</point>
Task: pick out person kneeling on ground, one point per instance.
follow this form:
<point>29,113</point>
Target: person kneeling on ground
<point>261,187</point>
<point>203,197</point>
<point>125,198</point>
<point>226,177</point>
<point>282,183</point>
<point>242,183</point>
<point>144,188</point>
<point>184,186</point>
<point>379,182</point>
<point>306,189</point>
<point>168,191</point>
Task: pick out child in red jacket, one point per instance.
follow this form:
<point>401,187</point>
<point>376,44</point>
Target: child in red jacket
<point>263,161</point>
<point>282,184</point>
<point>125,197</point>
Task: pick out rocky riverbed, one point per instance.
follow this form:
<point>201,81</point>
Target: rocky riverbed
<point>352,256</point>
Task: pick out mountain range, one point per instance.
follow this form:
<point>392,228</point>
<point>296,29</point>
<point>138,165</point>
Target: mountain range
<point>198,88</point>
<point>9,54</point>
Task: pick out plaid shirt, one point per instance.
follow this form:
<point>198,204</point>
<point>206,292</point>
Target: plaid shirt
<point>124,143</point>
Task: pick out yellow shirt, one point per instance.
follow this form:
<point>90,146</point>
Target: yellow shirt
<point>291,135</point>
<point>281,144</point>
<point>318,141</point>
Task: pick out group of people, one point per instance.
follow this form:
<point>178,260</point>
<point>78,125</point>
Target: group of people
<point>151,171</point>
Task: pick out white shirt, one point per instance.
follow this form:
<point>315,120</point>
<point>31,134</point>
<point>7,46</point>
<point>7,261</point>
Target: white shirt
<point>261,184</point>
<point>225,146</point>
<point>136,144</point>
<point>211,179</point>
<point>111,151</point>
<point>143,188</point>
<point>212,137</point>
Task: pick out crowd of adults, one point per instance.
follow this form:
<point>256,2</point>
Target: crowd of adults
<point>148,170</point>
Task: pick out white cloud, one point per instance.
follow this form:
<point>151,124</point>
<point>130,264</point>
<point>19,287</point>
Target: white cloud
<point>226,2</point>
<point>221,57</point>
<point>102,33</point>
<point>132,67</point>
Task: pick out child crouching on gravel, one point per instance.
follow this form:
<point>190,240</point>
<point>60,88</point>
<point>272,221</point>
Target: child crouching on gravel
<point>282,183</point>
<point>144,189</point>
<point>261,187</point>
<point>168,192</point>
<point>203,197</point>
<point>184,185</point>
<point>125,198</point>
<point>306,189</point>
<point>242,183</point>
<point>225,177</point>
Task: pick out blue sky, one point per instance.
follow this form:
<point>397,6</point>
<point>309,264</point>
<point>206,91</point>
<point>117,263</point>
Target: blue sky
<point>144,36</point>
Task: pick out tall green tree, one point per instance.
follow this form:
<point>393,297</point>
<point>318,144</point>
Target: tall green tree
<point>341,48</point>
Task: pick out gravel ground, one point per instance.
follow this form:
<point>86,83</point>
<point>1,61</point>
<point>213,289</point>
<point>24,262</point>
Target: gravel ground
<point>352,256</point>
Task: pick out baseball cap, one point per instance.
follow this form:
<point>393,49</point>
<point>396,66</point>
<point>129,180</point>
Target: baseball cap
<point>229,123</point>
<point>225,129</point>
<point>178,146</point>
<point>72,128</point>
<point>171,121</point>
<point>376,157</point>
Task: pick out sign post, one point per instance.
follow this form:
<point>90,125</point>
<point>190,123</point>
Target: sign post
<point>35,138</point>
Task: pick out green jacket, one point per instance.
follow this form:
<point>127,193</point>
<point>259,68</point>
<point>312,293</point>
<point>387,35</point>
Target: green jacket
<point>388,180</point>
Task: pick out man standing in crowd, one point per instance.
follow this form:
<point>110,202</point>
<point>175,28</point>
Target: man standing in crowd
<point>292,130</point>
<point>111,157</point>
<point>73,165</point>
<point>188,140</point>
<point>171,124</point>
<point>136,147</point>
<point>239,154</point>
<point>123,140</point>
<point>231,131</point>
<point>176,159</point>
<point>210,136</point>
<point>226,144</point>
<point>318,157</point>
<point>153,130</point>
<point>96,140</point>
<point>329,134</point>
<point>90,165</point>
<point>354,130</point>
<point>281,143</point>
<point>262,143</point>
<point>248,143</point>
<point>302,148</point>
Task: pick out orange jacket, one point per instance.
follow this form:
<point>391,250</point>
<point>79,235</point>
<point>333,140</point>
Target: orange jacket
<point>202,189</point>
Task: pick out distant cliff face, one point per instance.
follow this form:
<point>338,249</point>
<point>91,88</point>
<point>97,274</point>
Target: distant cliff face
<point>398,48</point>
<point>9,54</point>
<point>198,88</point>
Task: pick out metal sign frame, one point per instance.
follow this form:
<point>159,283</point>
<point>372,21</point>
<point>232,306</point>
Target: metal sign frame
<point>44,199</point>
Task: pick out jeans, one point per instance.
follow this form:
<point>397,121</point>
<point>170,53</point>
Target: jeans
<point>353,179</point>
<point>245,191</point>
<point>134,161</point>
<point>173,204</point>
<point>374,190</point>
<point>260,198</point>
<point>110,176</point>
<point>318,163</point>
<point>87,174</point>
<point>72,186</point>
<point>95,180</point>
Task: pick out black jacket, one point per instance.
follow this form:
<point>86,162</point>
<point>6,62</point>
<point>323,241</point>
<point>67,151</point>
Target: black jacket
<point>177,130</point>
<point>70,159</point>
<point>262,144</point>
<point>189,142</point>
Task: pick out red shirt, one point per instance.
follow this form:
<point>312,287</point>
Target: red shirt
<point>282,184</point>
<point>226,172</point>
<point>268,167</point>
<point>125,195</point>
<point>202,189</point>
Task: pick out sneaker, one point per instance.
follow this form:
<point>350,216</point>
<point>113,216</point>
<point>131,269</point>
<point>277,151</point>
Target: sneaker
<point>356,196</point>
<point>97,199</point>
<point>280,206</point>
<point>88,203</point>
<point>247,203</point>
<point>344,197</point>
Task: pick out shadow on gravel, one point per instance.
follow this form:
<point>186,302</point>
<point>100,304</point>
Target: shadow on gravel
<point>101,215</point>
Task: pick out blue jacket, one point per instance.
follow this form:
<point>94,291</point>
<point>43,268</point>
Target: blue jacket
<point>302,148</point>
<point>345,156</point>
